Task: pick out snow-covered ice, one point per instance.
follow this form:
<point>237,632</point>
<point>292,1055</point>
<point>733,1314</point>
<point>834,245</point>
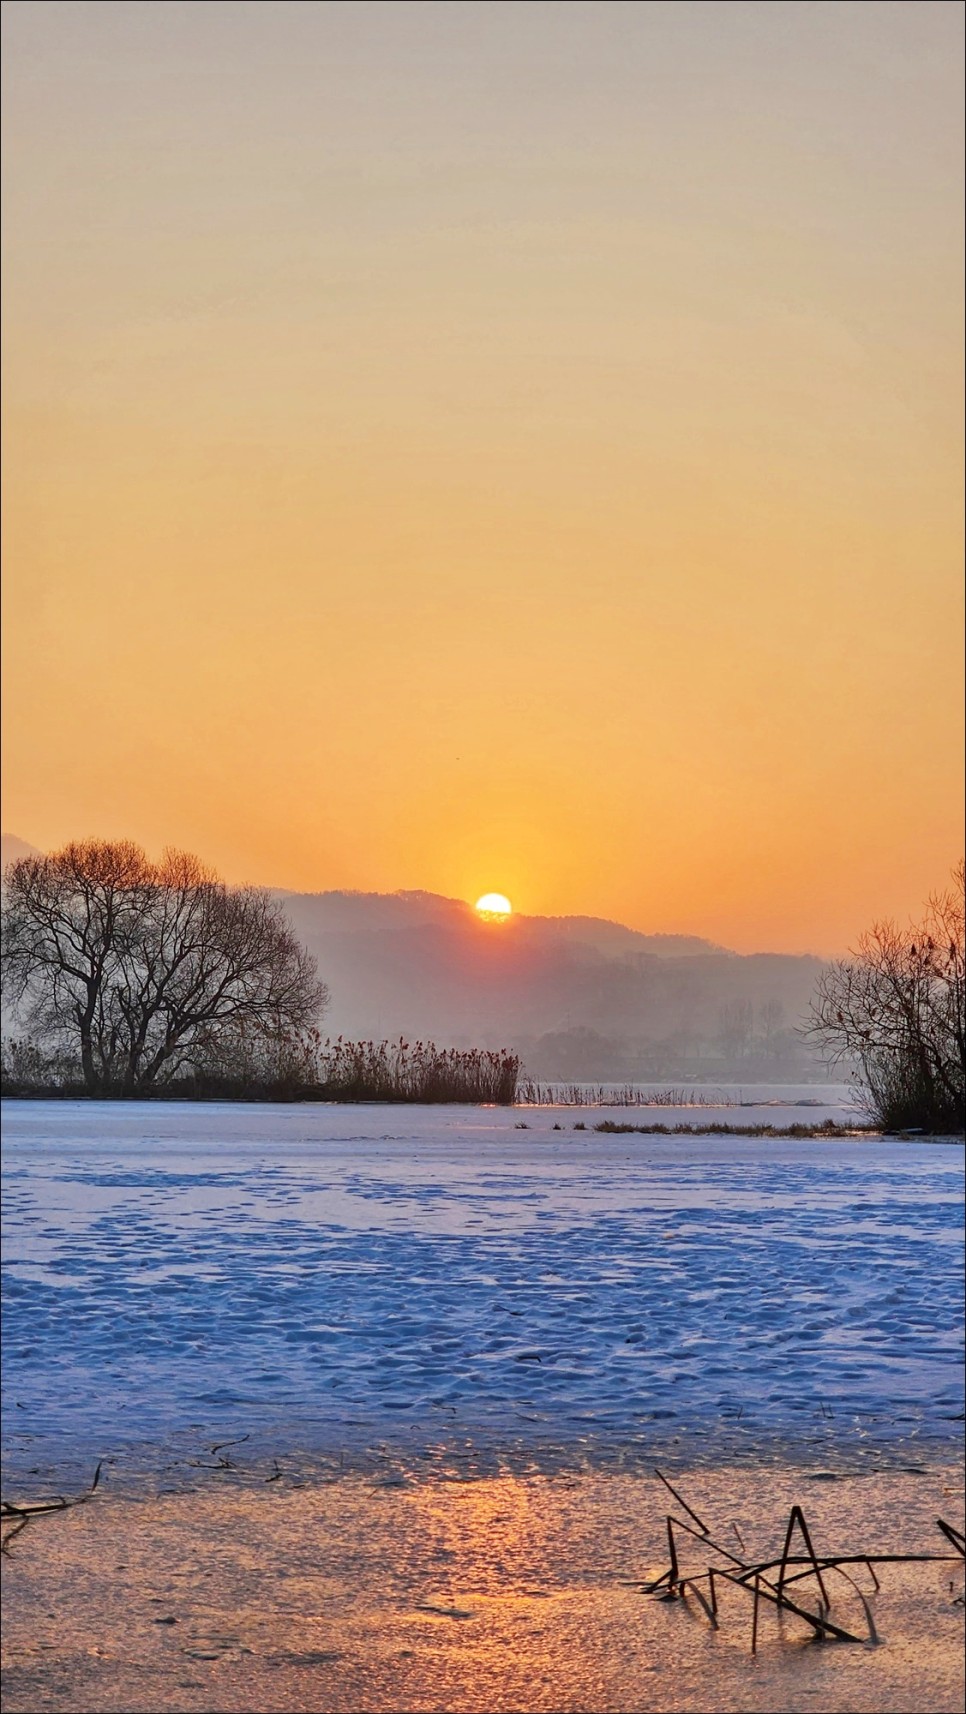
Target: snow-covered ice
<point>329,1278</point>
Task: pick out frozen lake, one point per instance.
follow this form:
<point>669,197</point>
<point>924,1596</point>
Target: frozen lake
<point>438,1283</point>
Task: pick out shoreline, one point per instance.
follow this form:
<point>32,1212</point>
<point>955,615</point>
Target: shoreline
<point>246,1454</point>
<point>497,1593</point>
<point>822,1130</point>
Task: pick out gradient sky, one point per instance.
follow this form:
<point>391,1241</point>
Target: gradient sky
<point>476,446</point>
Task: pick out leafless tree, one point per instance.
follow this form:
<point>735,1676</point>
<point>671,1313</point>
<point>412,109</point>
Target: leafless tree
<point>736,1022</point>
<point>895,1008</point>
<point>139,966</point>
<point>772,1018</point>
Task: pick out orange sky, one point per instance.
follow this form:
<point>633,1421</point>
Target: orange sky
<point>492,446</point>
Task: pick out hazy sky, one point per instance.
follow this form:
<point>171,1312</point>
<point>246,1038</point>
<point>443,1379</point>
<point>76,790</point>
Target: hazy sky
<point>506,445</point>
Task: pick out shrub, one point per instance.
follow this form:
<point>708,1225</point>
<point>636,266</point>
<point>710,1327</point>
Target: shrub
<point>26,1066</point>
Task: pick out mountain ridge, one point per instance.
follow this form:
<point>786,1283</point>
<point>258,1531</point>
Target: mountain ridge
<point>350,903</point>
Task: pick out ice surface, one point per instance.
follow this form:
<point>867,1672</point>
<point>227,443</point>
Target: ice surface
<point>326,1278</point>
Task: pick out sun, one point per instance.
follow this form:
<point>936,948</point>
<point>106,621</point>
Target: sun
<point>494,907</point>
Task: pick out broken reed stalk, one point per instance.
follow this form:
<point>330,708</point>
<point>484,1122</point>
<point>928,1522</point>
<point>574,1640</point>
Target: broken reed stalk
<point>867,1610</point>
<point>796,1518</point>
<point>8,1538</point>
<point>762,1590</point>
<point>38,1508</point>
<point>711,1612</point>
<point>956,1536</point>
<point>831,1561</point>
<point>792,1568</point>
<point>702,1526</point>
<point>705,1539</point>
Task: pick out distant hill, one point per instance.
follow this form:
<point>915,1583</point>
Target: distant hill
<point>327,913</point>
<point>614,939</point>
<point>11,848</point>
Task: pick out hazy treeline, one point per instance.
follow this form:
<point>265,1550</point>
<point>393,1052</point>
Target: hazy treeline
<point>751,1043</point>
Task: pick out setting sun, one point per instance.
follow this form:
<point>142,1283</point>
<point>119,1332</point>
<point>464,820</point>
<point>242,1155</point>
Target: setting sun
<point>494,907</point>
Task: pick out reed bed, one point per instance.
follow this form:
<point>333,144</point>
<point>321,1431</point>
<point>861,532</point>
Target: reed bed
<point>534,1094</point>
<point>826,1128</point>
<point>418,1072</point>
<point>291,1067</point>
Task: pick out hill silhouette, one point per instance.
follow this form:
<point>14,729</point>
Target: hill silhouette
<point>12,847</point>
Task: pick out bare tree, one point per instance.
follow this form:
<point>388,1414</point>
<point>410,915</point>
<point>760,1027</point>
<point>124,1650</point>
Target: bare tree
<point>139,966</point>
<point>895,1008</point>
<point>64,919</point>
<point>772,1018</point>
<point>736,1022</point>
